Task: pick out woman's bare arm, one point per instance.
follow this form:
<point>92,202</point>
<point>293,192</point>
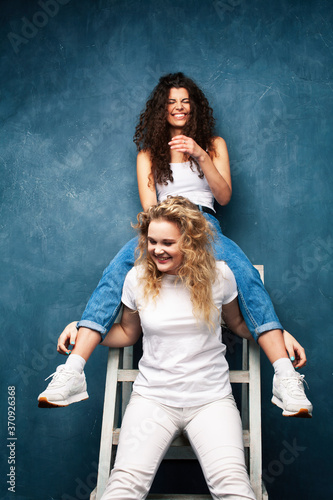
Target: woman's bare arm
<point>146,184</point>
<point>125,333</point>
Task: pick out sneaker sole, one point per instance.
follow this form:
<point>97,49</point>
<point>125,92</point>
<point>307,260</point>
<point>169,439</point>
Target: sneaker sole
<point>301,413</point>
<point>43,402</point>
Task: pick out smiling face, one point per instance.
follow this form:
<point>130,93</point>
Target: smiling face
<point>178,108</point>
<point>163,245</point>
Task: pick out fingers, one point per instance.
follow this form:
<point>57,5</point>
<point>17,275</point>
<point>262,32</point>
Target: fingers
<point>73,336</point>
<point>288,341</point>
<point>63,343</point>
<point>62,349</point>
<point>182,143</point>
<point>291,354</point>
<point>186,145</point>
<point>300,357</point>
<point>179,139</point>
<point>295,350</point>
<point>67,337</point>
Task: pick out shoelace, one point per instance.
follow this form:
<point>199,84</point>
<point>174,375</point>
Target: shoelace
<point>295,384</point>
<point>58,377</point>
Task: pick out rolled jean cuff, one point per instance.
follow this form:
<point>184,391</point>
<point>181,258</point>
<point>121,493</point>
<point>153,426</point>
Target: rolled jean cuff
<point>273,325</point>
<point>93,326</point>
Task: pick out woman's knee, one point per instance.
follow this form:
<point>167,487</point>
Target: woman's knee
<point>126,483</point>
<point>229,479</point>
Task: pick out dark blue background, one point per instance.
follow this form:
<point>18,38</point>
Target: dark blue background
<point>74,81</point>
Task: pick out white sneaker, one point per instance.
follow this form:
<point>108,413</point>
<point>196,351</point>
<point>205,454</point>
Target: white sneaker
<point>288,394</point>
<point>67,386</point>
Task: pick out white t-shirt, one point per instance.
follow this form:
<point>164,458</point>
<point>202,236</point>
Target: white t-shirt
<point>183,362</point>
<point>187,183</point>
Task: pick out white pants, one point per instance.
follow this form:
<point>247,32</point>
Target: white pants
<point>214,431</point>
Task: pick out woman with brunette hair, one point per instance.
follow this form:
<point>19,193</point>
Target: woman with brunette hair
<point>179,154</point>
<point>176,293</point>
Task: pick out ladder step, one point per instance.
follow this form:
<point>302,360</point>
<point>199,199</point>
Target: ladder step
<point>180,440</point>
<point>236,376</point>
<point>179,497</point>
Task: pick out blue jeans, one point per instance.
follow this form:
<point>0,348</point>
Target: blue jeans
<point>254,301</point>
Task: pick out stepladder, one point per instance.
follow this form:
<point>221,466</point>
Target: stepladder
<point>244,375</point>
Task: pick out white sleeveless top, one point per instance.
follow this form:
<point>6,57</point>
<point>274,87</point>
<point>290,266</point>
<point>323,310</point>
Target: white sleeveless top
<point>187,183</point>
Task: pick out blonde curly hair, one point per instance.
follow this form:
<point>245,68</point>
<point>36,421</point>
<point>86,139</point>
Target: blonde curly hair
<point>198,269</point>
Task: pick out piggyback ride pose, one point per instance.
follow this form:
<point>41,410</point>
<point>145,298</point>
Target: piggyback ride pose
<point>179,154</point>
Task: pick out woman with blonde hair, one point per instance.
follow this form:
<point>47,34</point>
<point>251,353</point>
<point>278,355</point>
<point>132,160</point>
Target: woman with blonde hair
<point>179,154</point>
<point>176,293</point>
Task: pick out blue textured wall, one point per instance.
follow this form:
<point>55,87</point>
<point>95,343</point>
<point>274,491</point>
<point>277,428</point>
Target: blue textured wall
<point>75,75</point>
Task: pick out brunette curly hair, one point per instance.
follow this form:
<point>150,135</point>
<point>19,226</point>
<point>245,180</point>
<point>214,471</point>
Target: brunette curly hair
<point>152,132</point>
<point>198,269</point>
